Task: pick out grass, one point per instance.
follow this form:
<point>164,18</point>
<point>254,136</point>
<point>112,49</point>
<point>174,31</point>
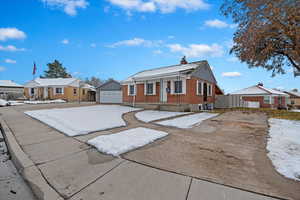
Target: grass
<point>272,113</point>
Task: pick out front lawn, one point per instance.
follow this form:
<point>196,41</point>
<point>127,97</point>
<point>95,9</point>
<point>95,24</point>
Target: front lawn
<point>272,113</point>
<point>83,120</point>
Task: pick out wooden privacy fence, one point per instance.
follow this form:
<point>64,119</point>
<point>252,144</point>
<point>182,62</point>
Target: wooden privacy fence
<point>234,101</point>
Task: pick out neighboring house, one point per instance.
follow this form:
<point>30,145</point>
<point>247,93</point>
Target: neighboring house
<point>10,90</point>
<point>262,97</point>
<point>294,97</point>
<point>109,92</point>
<point>69,89</point>
<point>187,86</point>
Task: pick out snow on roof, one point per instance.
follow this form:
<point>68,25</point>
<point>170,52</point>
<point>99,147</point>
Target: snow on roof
<point>164,71</point>
<point>258,90</point>
<point>294,93</point>
<point>88,86</point>
<point>54,81</point>
<point>9,83</point>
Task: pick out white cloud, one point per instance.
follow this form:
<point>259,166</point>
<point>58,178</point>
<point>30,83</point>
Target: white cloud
<point>171,37</point>
<point>231,74</point>
<point>11,33</point>
<point>198,50</point>
<point>164,6</point>
<point>216,23</point>
<point>157,51</point>
<point>136,42</point>
<point>232,59</point>
<point>279,88</point>
<point>93,45</point>
<point>69,6</point>
<point>2,69</point>
<point>10,61</point>
<point>10,48</point>
<point>65,41</point>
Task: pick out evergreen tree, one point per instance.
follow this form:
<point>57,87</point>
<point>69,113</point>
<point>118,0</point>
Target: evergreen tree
<point>56,70</point>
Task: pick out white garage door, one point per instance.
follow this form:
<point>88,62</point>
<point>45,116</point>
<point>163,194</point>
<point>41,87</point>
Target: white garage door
<point>110,96</point>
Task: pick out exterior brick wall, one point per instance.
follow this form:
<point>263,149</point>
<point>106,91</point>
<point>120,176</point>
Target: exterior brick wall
<point>260,99</point>
<point>190,97</point>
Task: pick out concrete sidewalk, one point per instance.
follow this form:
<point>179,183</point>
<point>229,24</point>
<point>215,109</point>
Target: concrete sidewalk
<point>67,168</point>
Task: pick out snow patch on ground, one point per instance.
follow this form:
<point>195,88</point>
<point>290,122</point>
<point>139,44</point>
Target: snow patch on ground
<point>295,110</point>
<point>83,120</point>
<point>284,147</point>
<point>152,115</point>
<point>45,102</point>
<point>124,141</point>
<point>187,121</point>
<point>3,102</point>
<point>15,103</point>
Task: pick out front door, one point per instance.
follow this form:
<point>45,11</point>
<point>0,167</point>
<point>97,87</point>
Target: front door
<point>163,91</point>
<point>205,92</point>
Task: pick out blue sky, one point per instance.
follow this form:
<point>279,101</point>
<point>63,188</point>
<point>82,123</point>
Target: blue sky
<point>116,38</point>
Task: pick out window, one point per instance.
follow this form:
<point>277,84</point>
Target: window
<point>75,91</point>
<point>199,88</point>
<point>209,89</point>
<point>131,90</point>
<point>58,90</point>
<point>273,100</point>
<point>266,99</point>
<point>32,91</point>
<point>83,91</point>
<point>150,88</point>
<point>178,87</point>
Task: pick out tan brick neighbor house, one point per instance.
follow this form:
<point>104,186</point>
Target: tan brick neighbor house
<point>264,97</point>
<point>187,86</point>
<point>68,89</point>
<point>294,97</point>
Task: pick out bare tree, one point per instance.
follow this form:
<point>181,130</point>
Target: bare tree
<point>268,33</point>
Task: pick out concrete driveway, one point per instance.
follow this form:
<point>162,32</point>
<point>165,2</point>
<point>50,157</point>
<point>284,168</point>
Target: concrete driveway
<point>74,170</point>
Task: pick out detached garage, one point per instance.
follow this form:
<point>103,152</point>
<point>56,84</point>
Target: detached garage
<point>109,92</point>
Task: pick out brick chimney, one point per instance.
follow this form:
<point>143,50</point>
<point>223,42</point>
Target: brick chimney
<point>183,61</point>
<point>260,84</point>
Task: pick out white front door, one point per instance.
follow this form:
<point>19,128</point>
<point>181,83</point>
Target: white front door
<point>163,91</point>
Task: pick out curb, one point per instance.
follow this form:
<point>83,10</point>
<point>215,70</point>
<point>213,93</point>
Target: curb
<point>26,167</point>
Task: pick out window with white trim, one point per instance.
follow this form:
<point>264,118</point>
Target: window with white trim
<point>178,87</point>
<point>58,90</point>
<point>199,88</point>
<point>150,88</point>
<point>266,99</point>
<point>209,89</point>
<point>74,91</point>
<point>131,90</point>
<point>31,91</point>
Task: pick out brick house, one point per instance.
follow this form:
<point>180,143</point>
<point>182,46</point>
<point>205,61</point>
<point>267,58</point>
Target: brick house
<point>68,89</point>
<point>264,97</point>
<point>294,97</point>
<point>187,86</point>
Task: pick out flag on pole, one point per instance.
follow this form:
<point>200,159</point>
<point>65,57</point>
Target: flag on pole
<point>34,69</point>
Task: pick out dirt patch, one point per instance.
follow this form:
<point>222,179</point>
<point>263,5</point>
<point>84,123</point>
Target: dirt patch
<point>228,149</point>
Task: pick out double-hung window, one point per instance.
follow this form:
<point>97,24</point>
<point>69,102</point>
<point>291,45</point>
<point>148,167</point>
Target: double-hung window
<point>131,90</point>
<point>75,91</point>
<point>209,89</point>
<point>150,88</point>
<point>199,88</point>
<point>266,99</point>
<point>32,91</point>
<point>58,90</point>
<point>178,87</point>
